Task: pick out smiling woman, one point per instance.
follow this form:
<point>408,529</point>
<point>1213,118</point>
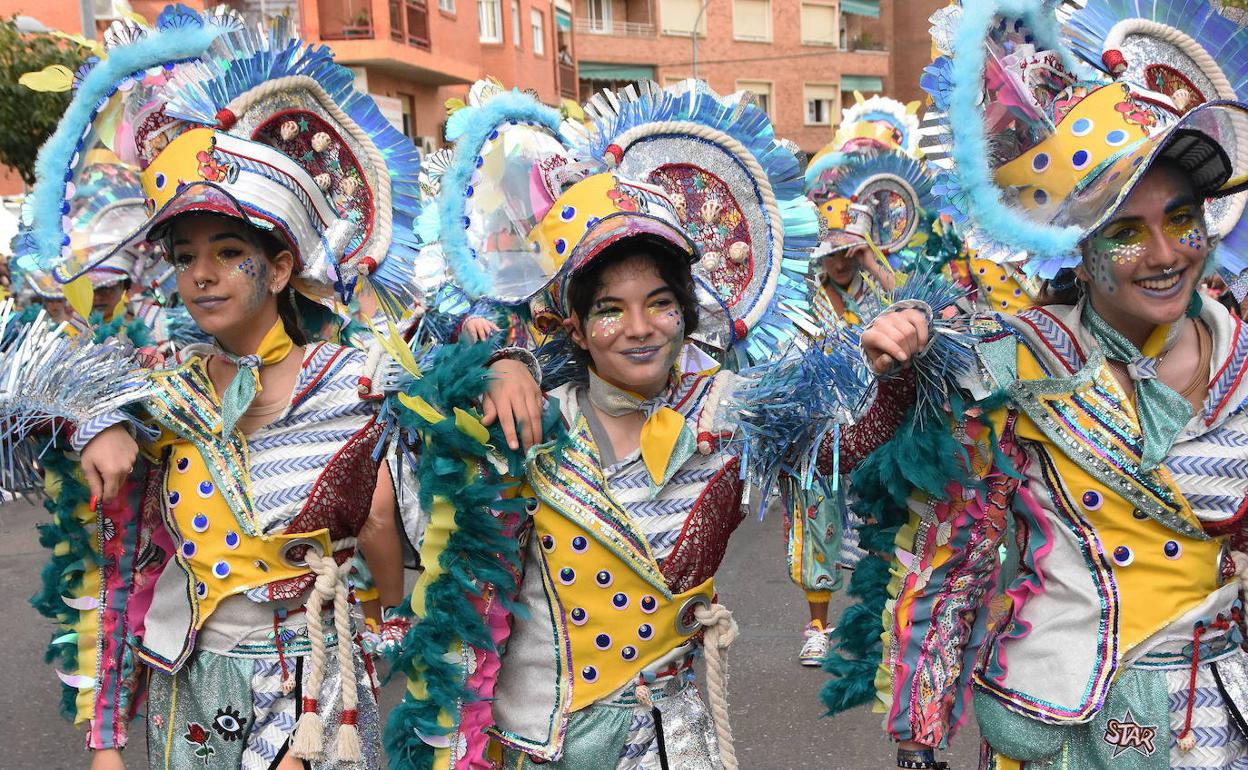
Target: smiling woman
<point>233,505</point>
<point>1108,431</point>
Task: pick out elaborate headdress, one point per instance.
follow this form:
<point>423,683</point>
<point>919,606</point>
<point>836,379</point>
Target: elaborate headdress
<point>876,198</point>
<point>1039,150</point>
<point>492,189</point>
<point>250,123</point>
<point>738,192</point>
<point>106,209</point>
<point>875,125</point>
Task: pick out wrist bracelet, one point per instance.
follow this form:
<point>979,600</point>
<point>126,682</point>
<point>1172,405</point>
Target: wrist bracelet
<point>923,759</point>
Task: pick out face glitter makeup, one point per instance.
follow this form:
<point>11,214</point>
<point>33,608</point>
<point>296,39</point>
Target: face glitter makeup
<point>1193,239</point>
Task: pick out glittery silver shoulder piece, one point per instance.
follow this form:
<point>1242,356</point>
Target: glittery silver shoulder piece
<point>47,375</point>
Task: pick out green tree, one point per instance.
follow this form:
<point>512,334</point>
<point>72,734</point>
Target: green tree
<point>28,118</point>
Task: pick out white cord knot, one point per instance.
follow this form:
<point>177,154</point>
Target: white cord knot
<point>309,738</point>
<point>721,630</point>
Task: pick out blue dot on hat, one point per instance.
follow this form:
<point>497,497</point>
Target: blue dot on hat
<point>567,213</point>
<point>1116,137</point>
<point>1081,127</point>
<point>1040,162</point>
<point>160,181</point>
<point>1080,159</point>
<point>1040,196</point>
<point>560,245</point>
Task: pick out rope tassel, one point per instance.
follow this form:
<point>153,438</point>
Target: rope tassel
<point>309,738</point>
<point>721,630</point>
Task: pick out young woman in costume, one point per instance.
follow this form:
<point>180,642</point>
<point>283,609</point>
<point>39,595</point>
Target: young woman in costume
<point>225,542</point>
<point>871,200</point>
<point>574,648</point>
<point>1107,429</point>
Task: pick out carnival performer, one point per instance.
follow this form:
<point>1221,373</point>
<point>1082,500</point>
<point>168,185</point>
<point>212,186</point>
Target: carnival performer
<point>873,198</point>
<point>1103,428</point>
<point>224,545</point>
<point>593,588</point>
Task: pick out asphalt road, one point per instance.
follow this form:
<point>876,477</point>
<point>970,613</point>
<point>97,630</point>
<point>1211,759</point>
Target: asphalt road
<point>776,714</point>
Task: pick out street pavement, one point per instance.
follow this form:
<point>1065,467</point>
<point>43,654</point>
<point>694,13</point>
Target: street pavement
<point>776,714</point>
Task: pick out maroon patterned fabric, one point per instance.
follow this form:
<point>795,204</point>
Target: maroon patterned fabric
<point>704,538</point>
<point>893,398</point>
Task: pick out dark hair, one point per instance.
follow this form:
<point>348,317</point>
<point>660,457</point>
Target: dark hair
<point>1061,289</point>
<point>669,261</point>
<point>270,244</point>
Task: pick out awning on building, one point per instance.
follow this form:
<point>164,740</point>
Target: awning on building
<point>861,7</point>
<point>606,71</point>
<point>563,19</point>
<point>867,84</point>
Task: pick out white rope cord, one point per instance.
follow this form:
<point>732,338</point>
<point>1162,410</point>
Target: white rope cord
<point>751,164</point>
<point>309,737</point>
<point>720,632</point>
<point>382,205</point>
<point>330,586</point>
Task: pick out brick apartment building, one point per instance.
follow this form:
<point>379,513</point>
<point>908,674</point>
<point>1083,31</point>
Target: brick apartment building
<point>411,55</point>
<point>802,58</point>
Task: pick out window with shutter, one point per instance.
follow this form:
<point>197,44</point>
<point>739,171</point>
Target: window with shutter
<point>751,19</point>
<point>820,24</point>
<point>676,17</point>
<point>821,100</point>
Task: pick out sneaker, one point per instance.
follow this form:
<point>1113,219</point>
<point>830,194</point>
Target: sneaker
<point>815,648</point>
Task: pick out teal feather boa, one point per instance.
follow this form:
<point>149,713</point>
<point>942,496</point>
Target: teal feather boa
<point>883,483</point>
<point>481,551</point>
<point>63,573</point>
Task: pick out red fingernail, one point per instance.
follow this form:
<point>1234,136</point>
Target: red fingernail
<point>95,503</point>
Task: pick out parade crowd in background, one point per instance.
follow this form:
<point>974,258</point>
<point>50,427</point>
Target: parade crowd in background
<point>307,408</point>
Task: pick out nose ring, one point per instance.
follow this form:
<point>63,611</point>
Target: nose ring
<point>201,284</point>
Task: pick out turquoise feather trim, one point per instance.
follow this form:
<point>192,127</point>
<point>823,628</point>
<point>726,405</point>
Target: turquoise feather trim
<point>180,35</point>
<point>63,573</point>
<point>923,458</point>
<point>480,552</point>
<point>469,128</point>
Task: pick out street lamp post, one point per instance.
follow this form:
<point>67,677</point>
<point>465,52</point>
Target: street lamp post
<point>693,34</point>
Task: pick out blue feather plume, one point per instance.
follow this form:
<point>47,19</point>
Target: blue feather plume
<point>785,407</point>
<point>44,242</point>
<point>469,128</point>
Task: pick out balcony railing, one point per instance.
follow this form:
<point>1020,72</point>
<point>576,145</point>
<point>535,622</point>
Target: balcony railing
<point>345,19</point>
<point>409,22</point>
<point>567,81</point>
<point>612,27</point>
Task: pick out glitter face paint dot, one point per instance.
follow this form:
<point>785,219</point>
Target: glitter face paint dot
<point>606,323</point>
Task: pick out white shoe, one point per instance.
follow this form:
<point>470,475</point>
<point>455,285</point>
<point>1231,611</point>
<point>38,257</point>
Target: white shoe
<point>816,646</point>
